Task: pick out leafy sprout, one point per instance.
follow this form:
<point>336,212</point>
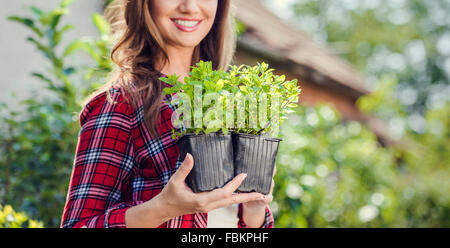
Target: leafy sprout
<point>244,99</point>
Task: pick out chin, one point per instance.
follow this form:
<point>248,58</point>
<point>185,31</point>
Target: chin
<point>189,43</point>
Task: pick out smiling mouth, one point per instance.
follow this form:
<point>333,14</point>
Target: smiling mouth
<point>186,25</point>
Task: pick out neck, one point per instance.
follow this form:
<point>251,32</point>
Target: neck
<point>179,61</point>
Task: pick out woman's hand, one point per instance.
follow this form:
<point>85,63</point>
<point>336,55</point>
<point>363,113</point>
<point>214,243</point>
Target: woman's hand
<point>254,212</point>
<point>258,204</point>
<point>179,199</point>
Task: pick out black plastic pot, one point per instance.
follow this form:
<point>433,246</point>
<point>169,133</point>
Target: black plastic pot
<point>255,155</point>
<point>213,160</point>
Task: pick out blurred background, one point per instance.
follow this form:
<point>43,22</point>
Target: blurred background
<point>368,145</point>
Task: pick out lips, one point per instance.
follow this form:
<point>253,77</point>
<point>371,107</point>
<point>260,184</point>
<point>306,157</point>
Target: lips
<point>186,24</point>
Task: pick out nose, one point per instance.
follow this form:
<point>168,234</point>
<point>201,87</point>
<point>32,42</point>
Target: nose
<point>189,6</point>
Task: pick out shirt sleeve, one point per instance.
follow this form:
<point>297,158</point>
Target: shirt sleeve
<point>268,220</point>
<point>104,161</point>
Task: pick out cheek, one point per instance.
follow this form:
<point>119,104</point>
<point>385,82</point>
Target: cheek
<point>159,10</point>
<point>210,11</point>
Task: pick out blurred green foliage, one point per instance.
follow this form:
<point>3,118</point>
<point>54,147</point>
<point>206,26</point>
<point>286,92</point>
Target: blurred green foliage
<point>407,38</point>
<point>37,146</point>
<point>330,172</point>
<point>11,219</point>
<point>342,177</point>
<point>334,173</point>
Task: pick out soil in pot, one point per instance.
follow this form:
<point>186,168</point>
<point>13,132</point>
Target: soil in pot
<point>255,155</point>
<point>213,160</point>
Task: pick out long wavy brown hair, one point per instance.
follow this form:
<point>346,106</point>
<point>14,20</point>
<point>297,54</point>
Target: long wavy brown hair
<point>139,47</point>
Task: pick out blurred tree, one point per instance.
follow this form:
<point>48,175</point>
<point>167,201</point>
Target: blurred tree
<point>408,38</point>
<point>37,146</point>
<point>403,48</point>
<point>335,174</point>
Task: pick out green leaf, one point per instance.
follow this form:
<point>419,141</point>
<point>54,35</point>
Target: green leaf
<point>102,25</point>
<point>56,17</point>
<point>243,89</point>
<point>85,46</point>
<point>219,84</point>
<point>38,12</point>
<point>42,77</point>
<point>211,130</point>
<point>225,130</point>
<point>74,46</point>
<point>66,3</point>
<point>57,36</point>
<point>167,90</point>
<point>66,28</point>
<point>27,22</point>
<point>52,18</point>
<point>44,49</point>
<point>193,83</point>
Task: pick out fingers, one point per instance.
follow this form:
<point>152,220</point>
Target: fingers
<point>184,169</point>
<point>237,198</point>
<point>232,186</point>
<point>225,191</point>
<point>245,197</point>
<point>225,196</point>
<point>269,197</point>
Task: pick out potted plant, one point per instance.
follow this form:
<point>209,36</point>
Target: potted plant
<point>199,122</point>
<point>255,141</point>
<point>236,134</point>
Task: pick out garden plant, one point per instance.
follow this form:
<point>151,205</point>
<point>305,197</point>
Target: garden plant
<point>234,134</point>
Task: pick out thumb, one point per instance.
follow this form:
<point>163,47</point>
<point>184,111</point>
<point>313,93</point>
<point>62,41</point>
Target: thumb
<point>185,168</point>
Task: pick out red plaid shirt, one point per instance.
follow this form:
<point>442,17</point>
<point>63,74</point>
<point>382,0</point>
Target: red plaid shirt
<point>119,165</point>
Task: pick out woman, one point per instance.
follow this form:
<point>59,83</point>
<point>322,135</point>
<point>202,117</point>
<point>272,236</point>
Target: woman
<point>127,170</point>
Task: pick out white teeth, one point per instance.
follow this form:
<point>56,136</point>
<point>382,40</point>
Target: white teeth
<point>187,23</point>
